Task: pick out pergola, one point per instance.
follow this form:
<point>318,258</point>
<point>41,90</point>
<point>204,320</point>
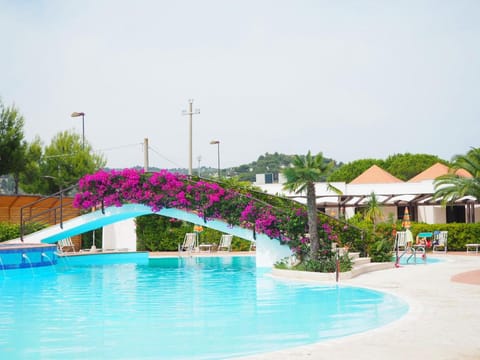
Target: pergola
<point>410,195</point>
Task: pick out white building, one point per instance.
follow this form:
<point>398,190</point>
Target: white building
<point>392,193</point>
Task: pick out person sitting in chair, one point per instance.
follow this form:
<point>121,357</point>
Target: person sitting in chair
<point>421,241</point>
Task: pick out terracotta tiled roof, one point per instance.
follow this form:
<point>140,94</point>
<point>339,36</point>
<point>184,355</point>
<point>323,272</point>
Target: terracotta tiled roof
<point>375,175</point>
<point>435,171</point>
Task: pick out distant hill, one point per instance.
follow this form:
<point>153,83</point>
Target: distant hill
<point>268,163</point>
<point>265,164</point>
<point>403,166</point>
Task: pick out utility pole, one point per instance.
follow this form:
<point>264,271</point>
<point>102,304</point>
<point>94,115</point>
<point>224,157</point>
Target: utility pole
<point>145,154</point>
<point>190,114</point>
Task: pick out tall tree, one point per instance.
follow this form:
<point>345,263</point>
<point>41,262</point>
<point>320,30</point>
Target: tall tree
<point>302,176</point>
<point>267,163</point>
<point>63,162</point>
<point>406,166</point>
<point>30,179</point>
<point>403,166</point>
<point>350,171</point>
<point>453,186</point>
<point>12,143</point>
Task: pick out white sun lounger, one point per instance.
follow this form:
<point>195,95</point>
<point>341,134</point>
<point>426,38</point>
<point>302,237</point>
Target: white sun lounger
<point>440,241</point>
<point>189,243</point>
<point>225,243</point>
<point>66,244</point>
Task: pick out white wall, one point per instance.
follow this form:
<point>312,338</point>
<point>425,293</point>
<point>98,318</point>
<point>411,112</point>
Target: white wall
<point>120,235</point>
<point>269,251</point>
<point>427,214</point>
<point>439,215</point>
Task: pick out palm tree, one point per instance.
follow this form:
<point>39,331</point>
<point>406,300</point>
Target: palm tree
<point>304,173</point>
<point>373,211</point>
<point>453,186</point>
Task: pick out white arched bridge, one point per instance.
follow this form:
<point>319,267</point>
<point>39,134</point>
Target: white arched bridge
<point>268,250</point>
<point>129,193</point>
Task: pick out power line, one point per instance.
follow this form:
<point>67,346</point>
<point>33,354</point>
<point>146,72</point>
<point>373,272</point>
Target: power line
<point>163,157</point>
<point>119,147</point>
<point>124,147</point>
<point>59,155</point>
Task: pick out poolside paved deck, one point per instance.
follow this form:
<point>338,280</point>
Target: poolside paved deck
<point>443,321</point>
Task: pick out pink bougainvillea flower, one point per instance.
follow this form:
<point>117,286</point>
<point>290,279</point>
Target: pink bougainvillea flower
<point>206,199</point>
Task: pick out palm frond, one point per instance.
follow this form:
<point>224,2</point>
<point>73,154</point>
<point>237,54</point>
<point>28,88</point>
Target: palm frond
<point>451,187</point>
<point>334,189</point>
<point>469,162</point>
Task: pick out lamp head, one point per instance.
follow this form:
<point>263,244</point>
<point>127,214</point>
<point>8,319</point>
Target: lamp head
<point>214,142</point>
<point>77,114</point>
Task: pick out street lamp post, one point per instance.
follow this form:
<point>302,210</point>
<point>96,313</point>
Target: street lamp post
<point>78,114</point>
<point>216,142</point>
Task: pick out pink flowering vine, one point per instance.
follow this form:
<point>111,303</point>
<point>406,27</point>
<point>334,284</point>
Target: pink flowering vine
<point>207,199</point>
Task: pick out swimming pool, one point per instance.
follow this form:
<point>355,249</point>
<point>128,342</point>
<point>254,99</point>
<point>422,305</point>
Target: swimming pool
<point>175,308</point>
<point>405,260</point>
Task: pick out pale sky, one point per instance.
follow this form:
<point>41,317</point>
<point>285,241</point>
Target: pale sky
<point>352,79</point>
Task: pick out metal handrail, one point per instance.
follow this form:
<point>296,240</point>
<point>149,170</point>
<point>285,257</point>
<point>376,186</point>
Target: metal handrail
<point>27,218</point>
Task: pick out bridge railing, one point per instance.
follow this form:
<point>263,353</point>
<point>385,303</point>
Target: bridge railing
<point>49,210</point>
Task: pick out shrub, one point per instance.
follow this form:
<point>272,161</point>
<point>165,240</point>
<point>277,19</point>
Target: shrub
<point>87,238</point>
<point>458,234</point>
<point>381,250</point>
<point>283,264</point>
<point>9,231</point>
<point>325,264</point>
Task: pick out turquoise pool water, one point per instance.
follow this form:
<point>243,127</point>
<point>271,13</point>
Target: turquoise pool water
<point>418,261</point>
<point>188,308</point>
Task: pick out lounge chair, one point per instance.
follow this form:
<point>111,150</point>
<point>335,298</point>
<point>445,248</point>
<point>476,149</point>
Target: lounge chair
<point>403,240</point>
<point>400,241</point>
<point>225,243</point>
<point>440,241</point>
<point>65,244</point>
<point>189,243</point>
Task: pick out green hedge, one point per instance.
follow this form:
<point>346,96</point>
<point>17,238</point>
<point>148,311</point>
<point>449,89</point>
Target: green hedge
<point>9,231</point>
<point>159,233</point>
<point>87,238</point>
<point>379,247</point>
<point>458,234</point>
